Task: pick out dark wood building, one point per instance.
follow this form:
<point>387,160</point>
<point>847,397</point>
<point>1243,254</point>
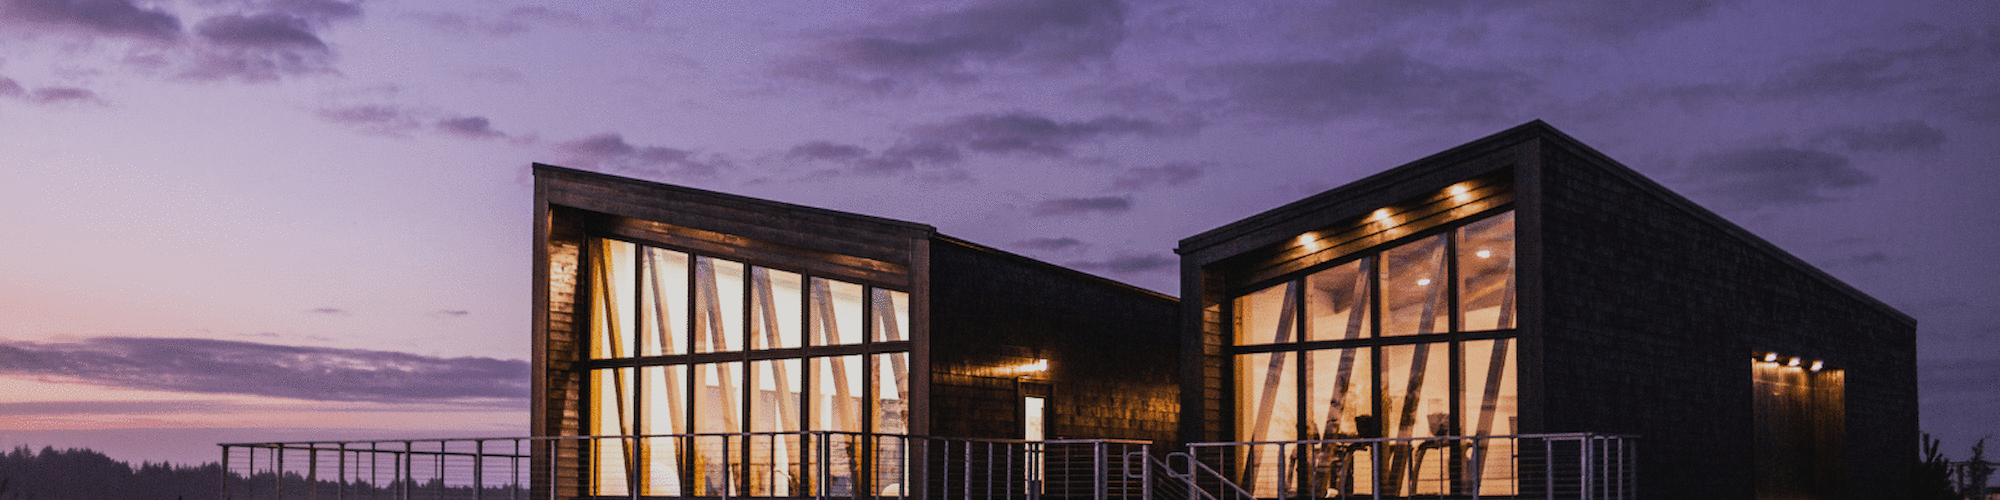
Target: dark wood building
<point>1525,283</point>
<point>666,310</point>
<point>1521,284</point>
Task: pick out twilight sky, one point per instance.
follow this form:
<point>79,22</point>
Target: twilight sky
<point>246,220</point>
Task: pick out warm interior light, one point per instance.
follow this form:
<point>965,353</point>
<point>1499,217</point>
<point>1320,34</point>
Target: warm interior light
<point>1818,365</point>
<point>1039,366</point>
<point>1457,189</point>
<point>1770,357</point>
<point>1484,253</point>
<point>1424,282</point>
<point>1793,362</point>
<point>1380,213</point>
<point>1306,239</point>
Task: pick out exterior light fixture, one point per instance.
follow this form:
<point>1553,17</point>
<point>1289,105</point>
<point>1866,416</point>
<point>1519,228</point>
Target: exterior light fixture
<point>1424,282</point>
<point>1380,214</point>
<point>1793,362</point>
<point>1817,365</point>
<point>1484,253</point>
<point>1457,189</point>
<point>1307,239</point>
<point>1770,357</point>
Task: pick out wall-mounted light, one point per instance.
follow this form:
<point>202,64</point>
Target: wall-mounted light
<point>1307,239</point>
<point>1380,214</point>
<point>1483,253</point>
<point>1424,282</point>
<point>1817,365</point>
<point>1460,193</point>
<point>1770,357</point>
<point>1793,362</point>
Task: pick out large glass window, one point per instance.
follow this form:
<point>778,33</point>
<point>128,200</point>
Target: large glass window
<point>682,343</point>
<point>1364,347</point>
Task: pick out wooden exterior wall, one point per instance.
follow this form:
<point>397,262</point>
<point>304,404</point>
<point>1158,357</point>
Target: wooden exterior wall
<point>1652,310</point>
<point>1110,348</point>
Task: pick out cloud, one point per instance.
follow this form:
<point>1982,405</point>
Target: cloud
<point>234,367</point>
<point>1127,264</point>
<point>470,127</point>
<point>117,18</point>
<point>514,21</point>
<point>1906,135</point>
<point>953,47</point>
<point>270,31</point>
<point>609,150</point>
<point>1026,133</point>
<point>1378,82</point>
<point>1083,206</point>
<point>1757,177</point>
<point>1053,244</point>
<point>827,151</point>
<point>329,311</point>
<point>377,119</point>
<point>1171,174</point>
<point>450,313</point>
<point>45,95</point>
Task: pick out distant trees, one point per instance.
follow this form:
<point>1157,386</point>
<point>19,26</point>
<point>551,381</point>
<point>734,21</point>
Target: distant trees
<point>83,474</point>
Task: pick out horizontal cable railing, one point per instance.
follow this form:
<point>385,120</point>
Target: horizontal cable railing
<point>769,465</point>
<point>1544,466</point>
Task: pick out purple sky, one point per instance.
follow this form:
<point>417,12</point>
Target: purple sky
<point>234,220</point>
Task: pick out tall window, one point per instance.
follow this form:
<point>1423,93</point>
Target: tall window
<point>1414,340</point>
<point>684,343</point>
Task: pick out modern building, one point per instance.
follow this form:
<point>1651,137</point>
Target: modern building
<point>665,310</point>
<point>1517,317</point>
<point>1527,284</point>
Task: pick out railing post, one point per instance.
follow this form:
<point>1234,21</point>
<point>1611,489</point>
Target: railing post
<point>224,476</point>
<point>1375,468</point>
<point>479,469</point>
<point>279,475</point>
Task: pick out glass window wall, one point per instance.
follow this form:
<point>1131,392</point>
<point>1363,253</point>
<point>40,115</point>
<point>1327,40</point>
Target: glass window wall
<point>744,356</point>
<point>1370,338</point>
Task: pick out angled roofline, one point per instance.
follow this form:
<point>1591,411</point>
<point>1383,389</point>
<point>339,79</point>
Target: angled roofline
<point>541,171</point>
<point>1033,262</point>
<point>1374,185</point>
<point>554,173</point>
<point>1599,159</point>
<point>1381,181</point>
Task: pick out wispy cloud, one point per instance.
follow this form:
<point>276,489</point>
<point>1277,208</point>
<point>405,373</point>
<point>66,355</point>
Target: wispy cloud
<point>46,95</point>
<point>232,367</point>
<point>1053,245</point>
<point>1905,135</point>
<point>1385,82</point>
<point>609,150</point>
<point>955,47</point>
<point>470,127</point>
<point>1082,206</point>
<point>1757,177</point>
<point>371,118</point>
<point>117,18</point>
<point>1032,134</point>
<point>1171,174</point>
<point>1128,264</point>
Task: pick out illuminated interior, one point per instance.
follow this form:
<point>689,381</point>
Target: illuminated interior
<point>692,344</point>
<point>1364,347</point>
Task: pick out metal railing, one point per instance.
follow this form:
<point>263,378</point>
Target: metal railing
<point>769,465</point>
<point>1546,466</point>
